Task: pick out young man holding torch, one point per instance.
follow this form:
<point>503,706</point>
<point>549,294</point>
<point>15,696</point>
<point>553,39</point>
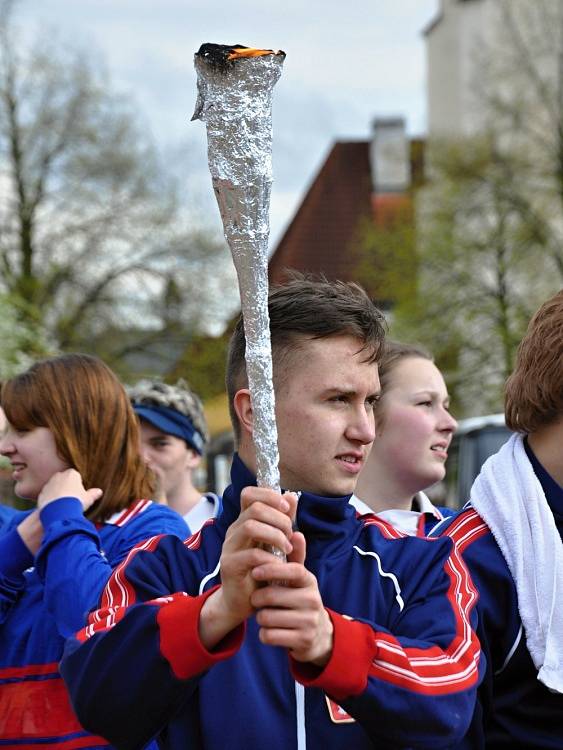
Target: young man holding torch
<point>361,638</point>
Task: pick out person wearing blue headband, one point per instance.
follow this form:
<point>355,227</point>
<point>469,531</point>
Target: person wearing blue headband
<point>173,438</point>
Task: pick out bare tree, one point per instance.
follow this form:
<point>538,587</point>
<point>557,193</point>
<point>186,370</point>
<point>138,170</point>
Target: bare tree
<point>91,233</point>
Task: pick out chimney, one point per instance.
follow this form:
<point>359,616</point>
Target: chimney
<point>389,156</point>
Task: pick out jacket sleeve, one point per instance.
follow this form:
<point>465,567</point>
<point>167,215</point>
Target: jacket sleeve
<point>138,659</point>
<point>72,565</point>
<point>412,682</point>
<point>15,558</point>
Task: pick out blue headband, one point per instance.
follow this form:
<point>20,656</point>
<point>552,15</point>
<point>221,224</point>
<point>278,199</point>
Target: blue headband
<point>172,422</point>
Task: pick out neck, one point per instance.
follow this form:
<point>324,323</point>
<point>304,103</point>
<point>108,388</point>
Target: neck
<point>380,491</point>
<point>546,444</point>
<point>183,497</point>
<point>379,503</point>
<point>247,454</point>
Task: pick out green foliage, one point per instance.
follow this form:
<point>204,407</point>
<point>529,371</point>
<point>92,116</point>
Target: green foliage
<point>22,338</point>
<point>387,263</point>
<point>490,218</point>
<point>202,364</point>
<point>480,276</point>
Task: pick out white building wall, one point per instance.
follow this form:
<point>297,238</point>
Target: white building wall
<point>453,45</point>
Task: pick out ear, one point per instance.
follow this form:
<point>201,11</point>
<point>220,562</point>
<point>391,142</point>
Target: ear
<point>194,459</point>
<point>243,409</point>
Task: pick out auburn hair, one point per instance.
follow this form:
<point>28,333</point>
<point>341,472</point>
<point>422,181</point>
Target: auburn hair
<point>533,394</point>
<point>81,401</point>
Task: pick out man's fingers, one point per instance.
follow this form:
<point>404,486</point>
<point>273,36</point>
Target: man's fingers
<point>288,638</point>
<point>264,495</point>
<point>290,619</point>
<point>292,499</point>
<point>299,545</point>
<point>251,532</point>
<point>245,560</point>
<point>295,575</point>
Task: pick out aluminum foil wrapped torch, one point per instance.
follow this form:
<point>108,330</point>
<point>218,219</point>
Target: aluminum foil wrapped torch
<point>235,86</point>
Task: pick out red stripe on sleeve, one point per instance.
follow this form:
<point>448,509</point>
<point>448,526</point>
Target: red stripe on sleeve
<point>180,643</point>
<point>436,671</point>
<point>117,595</point>
<point>346,673</point>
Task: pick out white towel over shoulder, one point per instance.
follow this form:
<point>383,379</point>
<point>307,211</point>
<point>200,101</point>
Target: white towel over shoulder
<point>510,499</point>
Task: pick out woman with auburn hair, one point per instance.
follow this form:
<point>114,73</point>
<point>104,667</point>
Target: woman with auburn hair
<point>70,426</point>
<point>414,429</point>
<point>510,536</point>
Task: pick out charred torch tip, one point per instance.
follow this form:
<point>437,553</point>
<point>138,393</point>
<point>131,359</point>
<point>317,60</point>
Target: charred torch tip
<point>223,56</point>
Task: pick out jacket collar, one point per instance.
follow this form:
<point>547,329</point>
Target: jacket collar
<point>328,523</point>
<point>553,492</point>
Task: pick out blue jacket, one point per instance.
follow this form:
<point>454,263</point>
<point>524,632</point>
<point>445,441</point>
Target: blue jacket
<point>7,513</point>
<point>403,672</point>
<point>44,600</point>
<point>514,710</point>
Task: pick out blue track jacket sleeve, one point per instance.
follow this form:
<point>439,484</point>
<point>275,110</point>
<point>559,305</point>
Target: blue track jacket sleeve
<point>15,558</point>
<point>410,684</point>
<point>72,564</point>
<point>140,654</point>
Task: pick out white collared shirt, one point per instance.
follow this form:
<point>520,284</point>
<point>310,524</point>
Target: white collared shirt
<point>406,521</point>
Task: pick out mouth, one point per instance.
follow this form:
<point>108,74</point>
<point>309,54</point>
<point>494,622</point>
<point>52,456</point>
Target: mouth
<point>440,449</point>
<point>351,462</point>
<point>17,469</point>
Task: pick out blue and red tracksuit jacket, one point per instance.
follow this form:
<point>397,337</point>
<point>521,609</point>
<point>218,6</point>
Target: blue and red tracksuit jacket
<point>403,672</point>
<point>514,711</point>
<point>44,600</point>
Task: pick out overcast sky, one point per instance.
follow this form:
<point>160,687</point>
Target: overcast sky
<point>347,62</point>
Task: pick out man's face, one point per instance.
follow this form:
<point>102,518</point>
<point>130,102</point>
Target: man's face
<point>167,455</point>
<point>324,414</point>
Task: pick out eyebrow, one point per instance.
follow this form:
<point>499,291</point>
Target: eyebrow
<point>351,392</point>
<point>431,392</point>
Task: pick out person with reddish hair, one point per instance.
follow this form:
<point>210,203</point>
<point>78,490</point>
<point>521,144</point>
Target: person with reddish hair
<point>70,426</point>
<point>510,535</point>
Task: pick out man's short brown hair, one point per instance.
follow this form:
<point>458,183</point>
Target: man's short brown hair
<point>307,307</point>
<point>534,391</point>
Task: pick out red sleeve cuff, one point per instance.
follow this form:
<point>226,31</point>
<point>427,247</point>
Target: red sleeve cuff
<point>347,670</point>
<point>180,644</point>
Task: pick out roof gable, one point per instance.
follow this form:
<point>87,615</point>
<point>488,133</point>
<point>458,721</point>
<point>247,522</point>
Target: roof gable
<point>329,217</point>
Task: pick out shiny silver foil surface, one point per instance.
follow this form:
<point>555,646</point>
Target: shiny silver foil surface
<point>235,102</point>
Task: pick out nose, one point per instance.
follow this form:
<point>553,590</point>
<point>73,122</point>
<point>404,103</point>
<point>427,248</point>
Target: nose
<point>145,453</point>
<point>448,423</point>
<point>362,427</point>
<point>6,444</point>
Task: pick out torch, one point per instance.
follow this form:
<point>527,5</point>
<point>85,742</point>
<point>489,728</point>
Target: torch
<point>235,86</point>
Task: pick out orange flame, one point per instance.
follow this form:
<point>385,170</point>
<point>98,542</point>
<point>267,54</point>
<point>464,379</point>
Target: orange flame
<point>239,52</point>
